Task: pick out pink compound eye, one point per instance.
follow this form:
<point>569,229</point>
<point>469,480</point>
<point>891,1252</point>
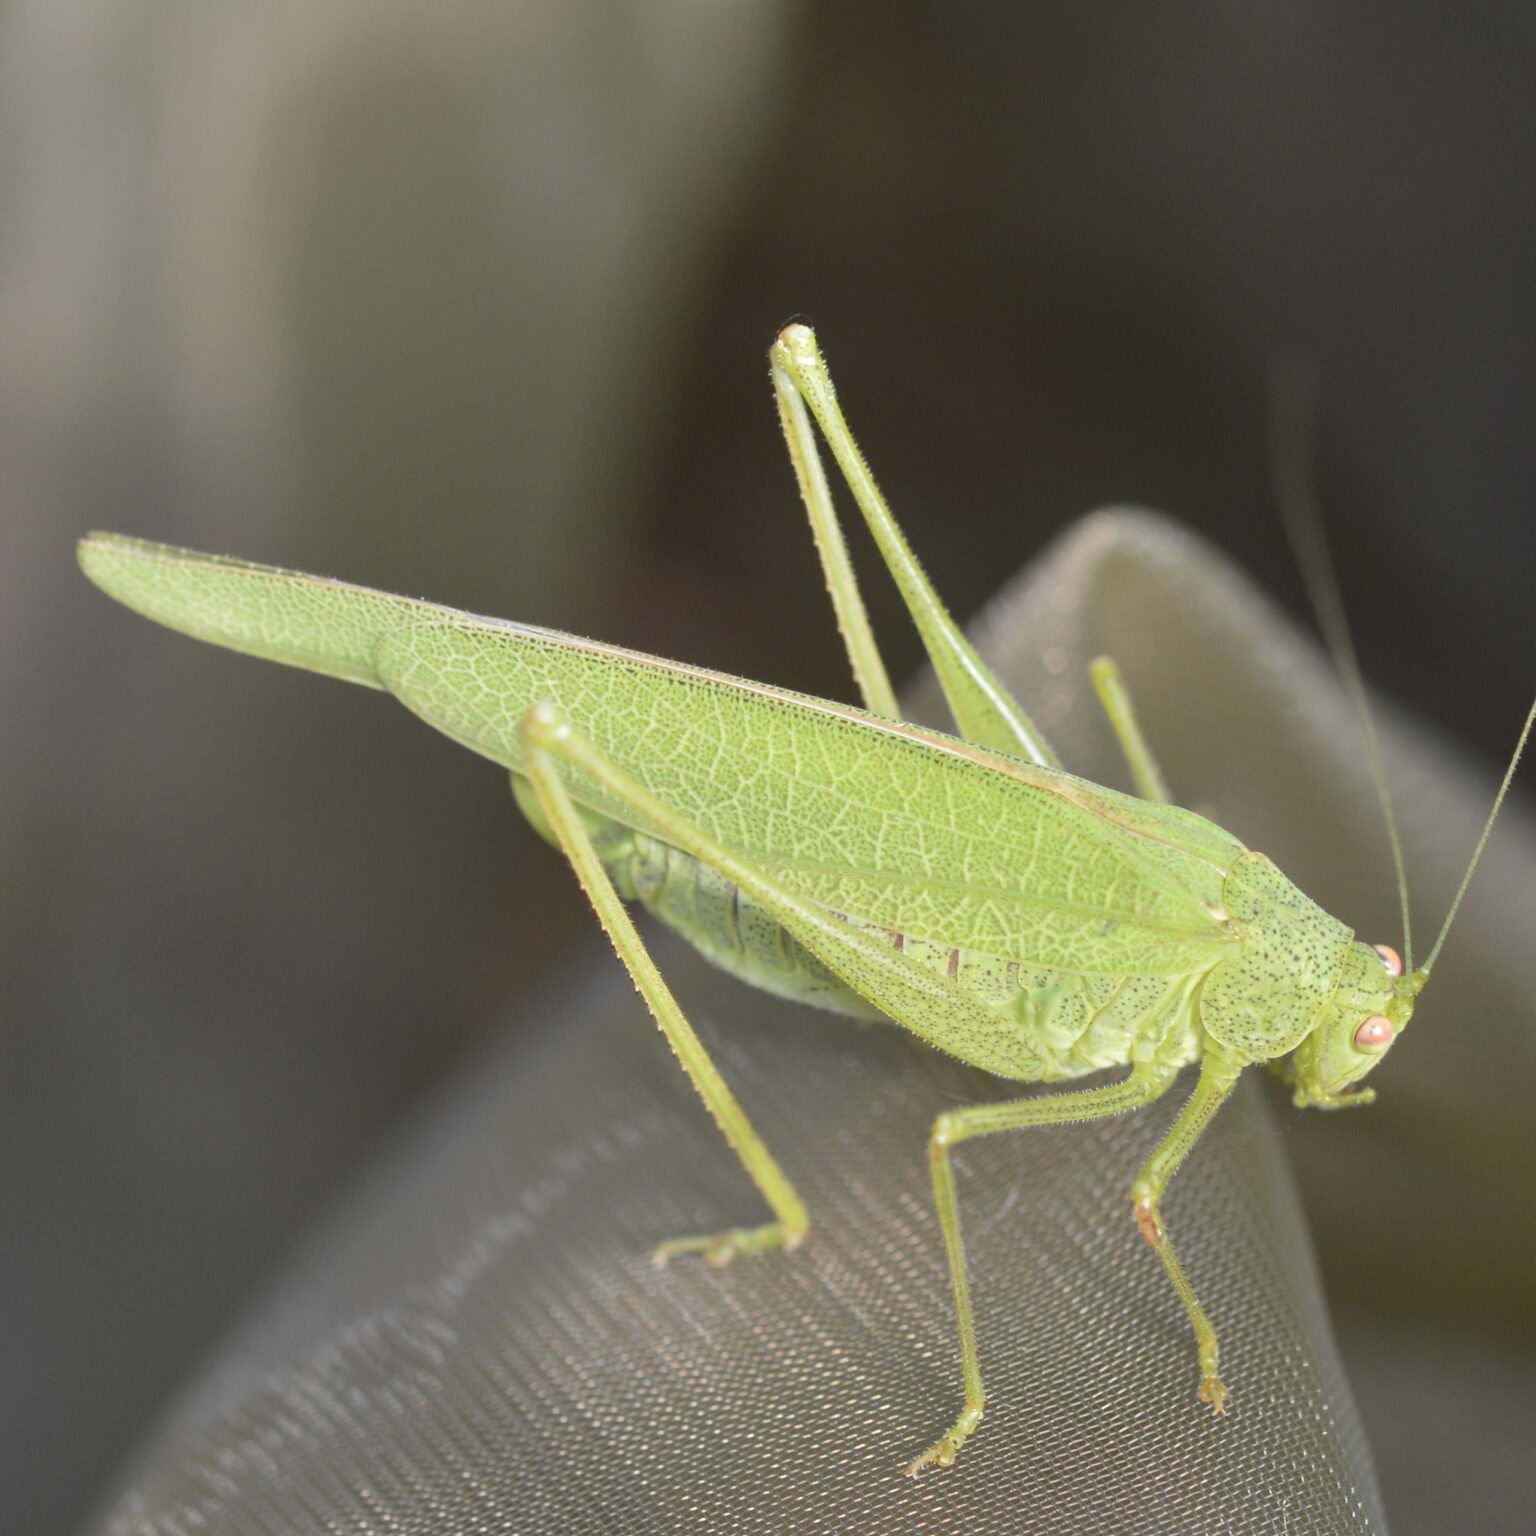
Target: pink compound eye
<point>1389,958</point>
<point>1374,1033</point>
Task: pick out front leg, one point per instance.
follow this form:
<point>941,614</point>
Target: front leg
<point>1219,1073</point>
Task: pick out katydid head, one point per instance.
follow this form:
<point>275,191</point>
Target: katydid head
<point>1370,1006</point>
<point>1374,997</point>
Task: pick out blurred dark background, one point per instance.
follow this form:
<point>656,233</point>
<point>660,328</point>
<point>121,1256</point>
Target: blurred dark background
<point>471,301</point>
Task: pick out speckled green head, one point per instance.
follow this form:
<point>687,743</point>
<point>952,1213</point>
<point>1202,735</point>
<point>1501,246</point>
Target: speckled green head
<point>1367,1012</point>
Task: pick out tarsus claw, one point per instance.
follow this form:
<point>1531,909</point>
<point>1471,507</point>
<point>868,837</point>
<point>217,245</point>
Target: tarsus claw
<point>942,1453</point>
<point>721,1247</point>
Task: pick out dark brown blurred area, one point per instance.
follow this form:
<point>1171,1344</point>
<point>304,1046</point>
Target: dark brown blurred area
<point>471,301</point>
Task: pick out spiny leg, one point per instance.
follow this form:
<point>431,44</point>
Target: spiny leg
<point>1218,1076</point>
<point>984,710</point>
<point>926,1003</point>
<point>564,822</point>
<point>957,1125</point>
<point>1116,700</point>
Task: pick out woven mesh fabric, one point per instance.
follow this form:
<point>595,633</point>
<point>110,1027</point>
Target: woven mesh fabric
<point>479,1342</point>
<point>494,1352</point>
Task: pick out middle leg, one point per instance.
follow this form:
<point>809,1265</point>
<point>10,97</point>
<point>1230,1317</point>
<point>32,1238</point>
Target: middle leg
<point>949,1130</point>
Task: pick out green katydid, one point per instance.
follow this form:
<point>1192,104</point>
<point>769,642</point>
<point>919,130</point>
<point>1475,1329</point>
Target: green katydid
<point>1027,921</point>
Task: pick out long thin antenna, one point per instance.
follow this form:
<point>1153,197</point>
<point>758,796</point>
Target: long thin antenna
<point>1292,413</point>
<point>1482,841</point>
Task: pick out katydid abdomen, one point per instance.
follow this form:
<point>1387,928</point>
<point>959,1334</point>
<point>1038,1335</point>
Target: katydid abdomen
<point>1053,1024</point>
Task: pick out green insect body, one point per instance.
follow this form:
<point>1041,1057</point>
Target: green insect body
<point>1050,1024</point>
<point>1065,1020</point>
<point>1027,921</point>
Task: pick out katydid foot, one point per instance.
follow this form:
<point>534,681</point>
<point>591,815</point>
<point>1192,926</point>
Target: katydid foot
<point>1211,1390</point>
<point>1213,1393</point>
<point>721,1247</point>
<point>942,1453</point>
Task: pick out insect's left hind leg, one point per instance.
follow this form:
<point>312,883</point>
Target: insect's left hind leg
<point>1218,1076</point>
<point>1116,700</point>
<point>555,816</point>
<point>911,994</point>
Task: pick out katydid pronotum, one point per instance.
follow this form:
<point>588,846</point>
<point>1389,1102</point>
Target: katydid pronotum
<point>1029,922</point>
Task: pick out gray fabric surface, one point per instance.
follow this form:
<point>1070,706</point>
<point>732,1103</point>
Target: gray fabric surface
<point>479,1343</point>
